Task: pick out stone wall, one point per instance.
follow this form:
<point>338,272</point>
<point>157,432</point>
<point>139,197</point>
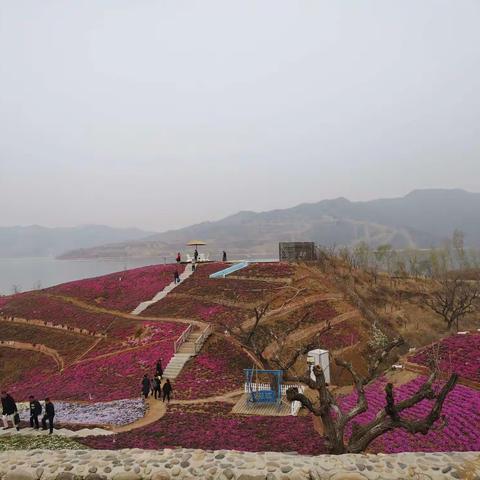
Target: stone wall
<point>227,465</point>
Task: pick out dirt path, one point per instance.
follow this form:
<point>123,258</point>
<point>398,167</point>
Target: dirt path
<point>226,397</point>
<point>128,316</point>
<point>307,332</point>
<point>295,306</point>
<point>313,329</point>
<point>156,410</point>
<point>88,350</point>
<point>35,348</point>
<point>56,326</point>
<point>129,349</point>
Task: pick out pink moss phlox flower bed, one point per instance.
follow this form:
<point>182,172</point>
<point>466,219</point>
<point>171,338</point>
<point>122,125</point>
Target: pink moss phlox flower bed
<point>104,379</point>
<point>121,291</point>
<point>18,366</point>
<point>267,270</point>
<point>461,409</point>
<point>4,300</point>
<point>457,353</point>
<point>314,314</point>
<point>38,306</point>
<point>230,289</point>
<point>340,336</point>
<point>206,269</point>
<point>129,334</point>
<point>183,307</point>
<point>213,427</point>
<point>218,369</point>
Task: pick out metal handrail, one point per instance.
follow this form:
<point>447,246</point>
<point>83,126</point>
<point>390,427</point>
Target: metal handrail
<point>227,271</point>
<point>201,339</point>
<point>182,338</point>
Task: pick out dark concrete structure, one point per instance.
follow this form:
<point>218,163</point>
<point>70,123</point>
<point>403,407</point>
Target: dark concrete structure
<point>296,251</point>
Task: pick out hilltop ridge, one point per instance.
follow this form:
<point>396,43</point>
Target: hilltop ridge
<point>420,219</point>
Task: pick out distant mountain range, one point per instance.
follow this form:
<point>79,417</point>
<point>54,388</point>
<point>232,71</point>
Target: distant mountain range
<point>421,219</point>
<point>36,241</point>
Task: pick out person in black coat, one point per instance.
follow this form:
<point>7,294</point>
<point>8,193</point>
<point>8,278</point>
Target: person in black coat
<point>159,372</point>
<point>35,411</point>
<point>145,386</point>
<point>49,414</point>
<point>156,387</point>
<point>167,390</point>
<point>9,411</point>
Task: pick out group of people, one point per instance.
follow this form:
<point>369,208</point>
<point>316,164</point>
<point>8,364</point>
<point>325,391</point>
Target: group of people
<point>195,257</point>
<point>10,413</point>
<point>153,386</point>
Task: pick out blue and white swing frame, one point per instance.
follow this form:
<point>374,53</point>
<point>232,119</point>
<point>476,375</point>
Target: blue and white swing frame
<point>259,394</point>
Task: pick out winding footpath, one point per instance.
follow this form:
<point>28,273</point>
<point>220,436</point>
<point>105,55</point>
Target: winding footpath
<point>37,347</point>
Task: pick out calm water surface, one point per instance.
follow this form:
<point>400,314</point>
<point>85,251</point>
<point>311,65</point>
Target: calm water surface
<point>33,273</point>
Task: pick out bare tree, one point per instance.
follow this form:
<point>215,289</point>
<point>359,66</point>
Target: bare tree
<point>258,337</point>
<point>361,253</point>
<point>383,254</point>
<point>335,420</point>
<point>454,299</point>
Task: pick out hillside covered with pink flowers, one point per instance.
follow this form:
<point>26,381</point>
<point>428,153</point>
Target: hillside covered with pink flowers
<point>79,344</point>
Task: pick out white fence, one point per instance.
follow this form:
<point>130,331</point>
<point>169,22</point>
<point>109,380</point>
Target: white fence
<point>294,406</point>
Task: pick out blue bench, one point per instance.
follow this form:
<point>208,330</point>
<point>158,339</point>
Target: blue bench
<point>263,396</point>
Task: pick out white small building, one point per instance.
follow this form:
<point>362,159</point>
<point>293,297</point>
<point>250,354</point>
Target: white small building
<point>319,357</point>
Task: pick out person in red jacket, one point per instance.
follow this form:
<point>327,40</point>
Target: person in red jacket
<point>179,257</point>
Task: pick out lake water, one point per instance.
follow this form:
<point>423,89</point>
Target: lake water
<point>33,273</point>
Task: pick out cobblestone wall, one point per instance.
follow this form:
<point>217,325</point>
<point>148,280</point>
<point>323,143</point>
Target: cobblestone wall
<point>227,465</point>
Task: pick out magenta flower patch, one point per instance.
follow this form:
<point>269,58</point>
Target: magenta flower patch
<point>457,353</point>
<point>213,427</point>
<point>462,415</point>
<point>121,291</point>
<point>218,369</point>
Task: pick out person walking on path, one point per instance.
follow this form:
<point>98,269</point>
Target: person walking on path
<point>176,277</point>
<point>167,390</point>
<point>145,386</point>
<point>35,411</point>
<point>224,256</point>
<point>156,387</point>
<point>49,414</point>
<point>159,372</point>
<point>179,257</point>
<point>9,411</point>
<point>195,255</point>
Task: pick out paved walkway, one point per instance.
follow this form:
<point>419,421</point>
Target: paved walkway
<point>163,293</point>
<point>63,432</point>
<point>156,410</point>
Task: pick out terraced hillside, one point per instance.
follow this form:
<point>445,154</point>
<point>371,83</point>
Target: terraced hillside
<point>78,343</point>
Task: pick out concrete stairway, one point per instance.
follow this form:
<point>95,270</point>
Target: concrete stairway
<point>187,350</point>
<point>163,293</point>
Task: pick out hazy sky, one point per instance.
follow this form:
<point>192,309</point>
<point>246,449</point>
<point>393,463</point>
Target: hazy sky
<point>158,114</point>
